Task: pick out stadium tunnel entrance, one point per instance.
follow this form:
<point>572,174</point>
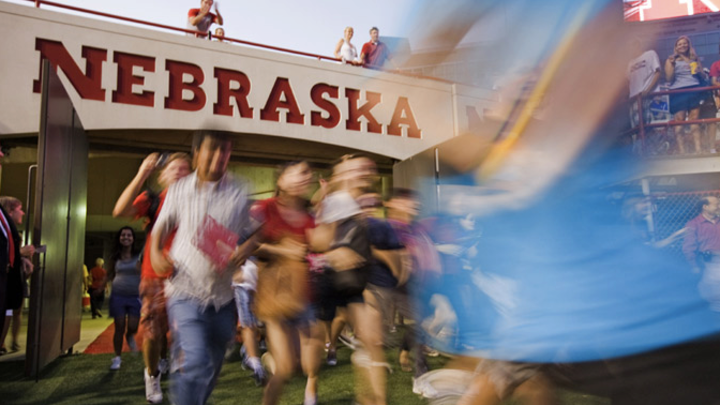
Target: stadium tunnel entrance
<point>115,156</point>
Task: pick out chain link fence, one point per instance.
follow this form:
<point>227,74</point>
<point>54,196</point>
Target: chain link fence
<point>671,211</point>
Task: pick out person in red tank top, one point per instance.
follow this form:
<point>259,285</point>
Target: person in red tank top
<point>135,203</point>
<point>286,221</point>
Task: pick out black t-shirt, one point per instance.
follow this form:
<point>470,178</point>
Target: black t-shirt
<point>382,237</point>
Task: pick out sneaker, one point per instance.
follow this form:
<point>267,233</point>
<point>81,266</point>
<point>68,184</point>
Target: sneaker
<point>153,392</point>
<point>332,358</point>
<point>116,362</point>
<point>132,344</point>
<point>430,352</point>
<point>164,366</point>
<point>348,341</point>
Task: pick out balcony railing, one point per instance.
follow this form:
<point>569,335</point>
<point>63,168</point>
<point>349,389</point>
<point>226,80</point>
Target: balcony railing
<point>663,135</point>
<point>208,35</point>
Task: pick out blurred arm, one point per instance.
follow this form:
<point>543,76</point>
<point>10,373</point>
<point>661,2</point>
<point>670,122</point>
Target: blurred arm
<point>670,69</point>
<point>124,205</point>
<point>689,247</point>
<point>337,49</point>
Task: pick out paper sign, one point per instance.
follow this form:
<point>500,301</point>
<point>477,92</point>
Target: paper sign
<point>216,242</point>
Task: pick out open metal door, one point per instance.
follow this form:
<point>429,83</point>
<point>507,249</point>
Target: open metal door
<point>58,228</point>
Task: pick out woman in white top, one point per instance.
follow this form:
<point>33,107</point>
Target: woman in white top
<point>345,50</point>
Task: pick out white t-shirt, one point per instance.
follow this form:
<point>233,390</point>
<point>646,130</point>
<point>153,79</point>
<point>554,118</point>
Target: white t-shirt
<point>348,53</point>
<point>250,276</point>
<point>640,72</point>
<point>337,206</point>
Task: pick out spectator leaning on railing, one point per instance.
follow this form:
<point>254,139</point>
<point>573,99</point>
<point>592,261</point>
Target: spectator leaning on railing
<point>684,71</point>
<point>715,78</point>
<point>201,19</point>
<point>374,53</point>
<point>345,50</point>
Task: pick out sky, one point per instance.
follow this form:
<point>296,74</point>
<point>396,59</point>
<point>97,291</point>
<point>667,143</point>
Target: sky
<point>313,26</point>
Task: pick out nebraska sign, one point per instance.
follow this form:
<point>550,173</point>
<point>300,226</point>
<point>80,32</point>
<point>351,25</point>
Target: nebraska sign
<point>232,88</point>
<point>122,77</point>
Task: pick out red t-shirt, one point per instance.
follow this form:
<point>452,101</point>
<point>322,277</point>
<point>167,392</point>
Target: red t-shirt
<point>715,69</point>
<point>98,277</point>
<point>375,54</point>
<point>204,24</point>
<point>275,227</point>
<point>142,210</point>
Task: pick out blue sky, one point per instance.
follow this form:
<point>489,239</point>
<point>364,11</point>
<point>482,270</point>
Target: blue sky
<point>312,26</point>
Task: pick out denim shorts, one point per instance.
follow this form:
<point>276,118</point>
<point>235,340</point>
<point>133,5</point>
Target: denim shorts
<point>685,101</point>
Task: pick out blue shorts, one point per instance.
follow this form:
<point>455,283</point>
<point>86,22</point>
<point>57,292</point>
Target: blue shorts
<point>122,305</point>
<point>244,300</point>
<point>686,101</point>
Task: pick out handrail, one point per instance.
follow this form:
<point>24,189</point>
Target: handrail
<point>128,19</point>
<point>679,123</point>
<point>678,91</point>
<point>277,48</point>
<point>642,125</point>
<point>38,3</point>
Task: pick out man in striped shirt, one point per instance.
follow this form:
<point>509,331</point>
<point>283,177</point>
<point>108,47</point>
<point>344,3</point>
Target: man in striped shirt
<point>199,292</point>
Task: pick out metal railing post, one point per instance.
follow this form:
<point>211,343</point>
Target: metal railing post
<point>641,123</point>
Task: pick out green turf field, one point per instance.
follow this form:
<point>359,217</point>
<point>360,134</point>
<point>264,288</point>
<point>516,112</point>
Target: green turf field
<point>86,379</point>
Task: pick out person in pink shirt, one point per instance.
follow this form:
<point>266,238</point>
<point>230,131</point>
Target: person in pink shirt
<point>200,19</point>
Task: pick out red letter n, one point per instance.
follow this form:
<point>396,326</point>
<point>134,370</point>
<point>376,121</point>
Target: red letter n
<point>87,85</point>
